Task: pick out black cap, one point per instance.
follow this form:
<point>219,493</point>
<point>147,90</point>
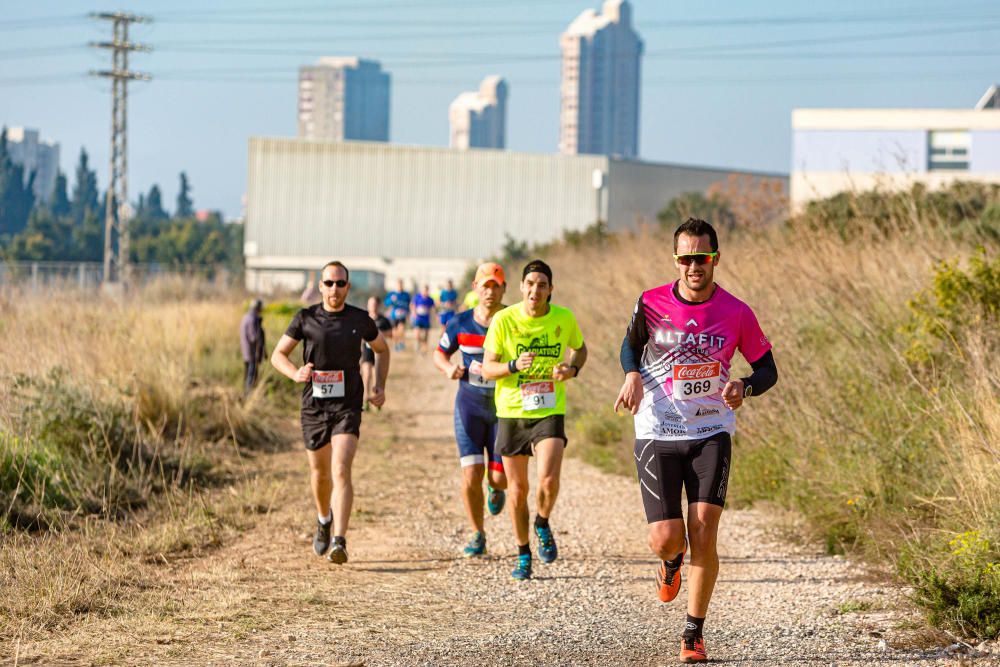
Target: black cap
<point>537,266</point>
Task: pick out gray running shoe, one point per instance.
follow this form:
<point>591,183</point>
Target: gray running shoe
<point>321,542</point>
<point>338,552</point>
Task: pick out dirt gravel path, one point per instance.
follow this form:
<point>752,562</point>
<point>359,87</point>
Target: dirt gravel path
<point>407,598</point>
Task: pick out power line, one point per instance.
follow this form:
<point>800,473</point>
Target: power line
<point>667,52</point>
<point>42,22</point>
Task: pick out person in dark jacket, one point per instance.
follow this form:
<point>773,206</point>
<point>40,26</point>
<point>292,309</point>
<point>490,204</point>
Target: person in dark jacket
<point>251,344</point>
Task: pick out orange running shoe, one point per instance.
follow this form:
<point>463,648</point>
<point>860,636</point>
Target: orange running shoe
<point>693,650</point>
<point>668,581</point>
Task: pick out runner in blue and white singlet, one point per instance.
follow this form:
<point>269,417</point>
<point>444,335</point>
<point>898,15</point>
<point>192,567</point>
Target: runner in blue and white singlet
<point>475,410</point>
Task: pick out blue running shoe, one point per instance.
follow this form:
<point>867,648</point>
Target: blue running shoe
<point>523,570</point>
<point>547,550</point>
<point>476,546</point>
<point>495,500</point>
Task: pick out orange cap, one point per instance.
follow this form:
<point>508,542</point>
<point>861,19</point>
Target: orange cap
<point>490,271</point>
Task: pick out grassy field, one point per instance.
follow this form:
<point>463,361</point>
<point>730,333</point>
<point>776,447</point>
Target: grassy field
<point>124,441</point>
<point>883,429</point>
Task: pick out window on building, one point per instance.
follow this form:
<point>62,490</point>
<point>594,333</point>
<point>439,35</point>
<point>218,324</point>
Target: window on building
<point>948,150</point>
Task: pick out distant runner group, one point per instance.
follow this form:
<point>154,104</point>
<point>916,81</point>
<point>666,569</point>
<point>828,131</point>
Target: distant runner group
<point>511,403</point>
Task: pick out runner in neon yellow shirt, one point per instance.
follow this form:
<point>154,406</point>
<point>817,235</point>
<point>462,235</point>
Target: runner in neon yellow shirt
<point>526,353</point>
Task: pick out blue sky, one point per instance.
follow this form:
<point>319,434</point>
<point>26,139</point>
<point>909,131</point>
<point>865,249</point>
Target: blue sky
<point>720,79</point>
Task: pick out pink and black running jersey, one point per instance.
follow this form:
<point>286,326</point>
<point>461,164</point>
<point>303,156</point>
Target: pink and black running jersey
<point>686,354</point>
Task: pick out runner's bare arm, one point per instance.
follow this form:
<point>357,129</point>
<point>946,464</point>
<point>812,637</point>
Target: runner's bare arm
<point>570,369</point>
<point>443,363</point>
<point>381,350</point>
<point>284,365</point>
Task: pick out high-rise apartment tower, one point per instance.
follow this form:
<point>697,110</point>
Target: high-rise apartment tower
<point>479,119</point>
<point>343,99</point>
<point>42,157</point>
<point>601,55</point>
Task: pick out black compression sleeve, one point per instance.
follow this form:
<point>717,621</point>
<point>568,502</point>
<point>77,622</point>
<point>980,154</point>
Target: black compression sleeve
<point>635,339</point>
<point>764,376</point>
<point>627,357</point>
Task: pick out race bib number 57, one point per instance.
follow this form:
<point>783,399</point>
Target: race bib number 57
<point>328,384</point>
<point>696,380</point>
<point>538,396</point>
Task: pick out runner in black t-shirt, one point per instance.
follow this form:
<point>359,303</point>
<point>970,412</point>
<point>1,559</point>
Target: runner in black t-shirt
<point>367,355</point>
<point>332,397</point>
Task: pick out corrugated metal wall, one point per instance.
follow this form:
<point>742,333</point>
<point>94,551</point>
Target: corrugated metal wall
<point>366,199</point>
<point>358,199</point>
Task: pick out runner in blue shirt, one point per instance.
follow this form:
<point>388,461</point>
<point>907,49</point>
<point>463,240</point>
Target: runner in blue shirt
<point>423,304</point>
<point>397,305</point>
<point>447,304</point>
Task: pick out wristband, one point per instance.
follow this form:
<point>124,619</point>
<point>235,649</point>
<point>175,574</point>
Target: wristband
<point>577,369</point>
<point>512,366</point>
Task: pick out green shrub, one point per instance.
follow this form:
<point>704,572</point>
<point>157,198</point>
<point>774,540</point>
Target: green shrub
<point>957,300</point>
<point>958,582</point>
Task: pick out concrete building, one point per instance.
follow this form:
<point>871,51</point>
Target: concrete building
<point>42,157</point>
<point>424,214</point>
<point>836,150</point>
<point>601,54</point>
<point>479,119</point>
<point>344,99</point>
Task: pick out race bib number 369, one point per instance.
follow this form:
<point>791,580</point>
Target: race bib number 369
<point>696,380</point>
<point>328,384</point>
<point>538,396</point>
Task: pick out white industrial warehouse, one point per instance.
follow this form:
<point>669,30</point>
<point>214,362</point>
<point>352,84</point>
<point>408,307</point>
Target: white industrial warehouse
<point>424,214</point>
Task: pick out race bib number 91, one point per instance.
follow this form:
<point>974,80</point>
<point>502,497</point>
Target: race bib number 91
<point>538,396</point>
<point>328,384</point>
<point>696,380</point>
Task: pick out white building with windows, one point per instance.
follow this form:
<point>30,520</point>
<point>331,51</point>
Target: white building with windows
<point>28,150</point>
<point>479,119</point>
<point>344,99</point>
<point>837,150</point>
<point>599,108</point>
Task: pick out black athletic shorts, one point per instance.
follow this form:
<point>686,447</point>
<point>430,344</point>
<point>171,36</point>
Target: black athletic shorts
<point>517,437</point>
<point>664,466</point>
<point>318,426</point>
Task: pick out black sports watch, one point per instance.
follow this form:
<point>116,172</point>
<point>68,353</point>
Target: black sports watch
<point>747,389</point>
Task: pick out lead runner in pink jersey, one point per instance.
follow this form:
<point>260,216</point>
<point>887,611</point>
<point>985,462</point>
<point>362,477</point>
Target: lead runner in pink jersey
<point>676,356</point>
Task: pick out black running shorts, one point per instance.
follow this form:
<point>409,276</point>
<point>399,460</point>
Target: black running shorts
<point>318,426</point>
<point>517,437</point>
<point>701,467</point>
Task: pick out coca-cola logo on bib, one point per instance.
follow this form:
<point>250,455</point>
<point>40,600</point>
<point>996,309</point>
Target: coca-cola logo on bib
<point>696,371</point>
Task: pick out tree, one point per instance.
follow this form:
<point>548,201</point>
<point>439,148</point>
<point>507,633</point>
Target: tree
<point>713,209</point>
<point>185,207</point>
<point>85,195</point>
<point>60,204</point>
<point>154,204</point>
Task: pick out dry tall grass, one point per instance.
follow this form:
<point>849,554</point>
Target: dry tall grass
<point>123,439</point>
<point>879,455</point>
